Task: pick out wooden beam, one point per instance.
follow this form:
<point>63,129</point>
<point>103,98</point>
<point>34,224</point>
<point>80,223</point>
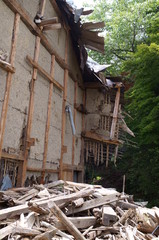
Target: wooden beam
<point>7,66</point>
<point>30,169</point>
<point>52,27</point>
<point>65,221</point>
<point>47,128</point>
<point>79,222</point>
<point>61,175</point>
<point>93,203</point>
<point>91,25</point>
<point>17,8</point>
<point>44,73</point>
<point>100,138</point>
<point>83,129</point>
<point>9,80</point>
<point>13,5</point>
<point>115,114</point>
<point>12,156</point>
<point>74,119</point>
<point>71,167</point>
<point>48,21</point>
<point>24,208</point>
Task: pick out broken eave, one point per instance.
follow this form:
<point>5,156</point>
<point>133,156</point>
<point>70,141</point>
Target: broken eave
<point>83,35</point>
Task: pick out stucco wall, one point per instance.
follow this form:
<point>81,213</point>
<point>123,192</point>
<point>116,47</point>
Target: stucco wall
<point>18,106</point>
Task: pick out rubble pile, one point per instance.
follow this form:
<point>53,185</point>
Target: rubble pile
<point>64,210</point>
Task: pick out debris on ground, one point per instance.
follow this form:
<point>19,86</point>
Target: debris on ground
<point>64,210</point>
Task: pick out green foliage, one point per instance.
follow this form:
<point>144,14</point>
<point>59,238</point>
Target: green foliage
<point>132,45</point>
<point>126,26</point>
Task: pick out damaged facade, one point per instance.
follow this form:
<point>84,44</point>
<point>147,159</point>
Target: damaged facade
<point>57,108</point>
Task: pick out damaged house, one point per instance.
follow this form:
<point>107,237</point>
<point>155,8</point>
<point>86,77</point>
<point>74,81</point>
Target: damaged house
<point>58,111</point>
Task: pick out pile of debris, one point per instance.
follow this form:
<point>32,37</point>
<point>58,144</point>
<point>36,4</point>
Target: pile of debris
<point>67,210</point>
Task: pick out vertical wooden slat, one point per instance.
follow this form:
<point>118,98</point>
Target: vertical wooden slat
<point>74,119</point>
<point>82,140</point>
<point>61,174</point>
<point>31,103</point>
<point>107,159</point>
<point>115,114</point>
<point>9,80</point>
<point>48,120</point>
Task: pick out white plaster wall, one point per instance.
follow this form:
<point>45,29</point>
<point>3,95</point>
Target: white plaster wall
<point>19,92</point>
<point>39,118</point>
<point>6,29</point>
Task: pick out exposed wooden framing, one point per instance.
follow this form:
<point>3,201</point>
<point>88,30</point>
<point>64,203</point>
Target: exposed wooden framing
<point>48,21</point>
<point>34,77</point>
<point>83,129</point>
<point>17,8</point>
<point>54,26</point>
<point>74,119</point>
<point>7,66</point>
<point>69,167</point>
<point>43,72</point>
<point>93,203</point>
<point>29,169</point>
<point>12,156</point>
<point>61,176</point>
<point>48,119</point>
<point>115,114</point>
<point>9,80</point>
<point>99,138</point>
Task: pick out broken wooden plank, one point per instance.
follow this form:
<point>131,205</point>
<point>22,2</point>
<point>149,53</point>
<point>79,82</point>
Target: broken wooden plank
<point>52,27</point>
<point>92,25</point>
<point>100,138</point>
<point>68,224</point>
<point>79,222</point>
<point>7,66</point>
<point>9,79</point>
<point>48,21</point>
<point>115,114</point>
<point>59,200</point>
<point>93,203</point>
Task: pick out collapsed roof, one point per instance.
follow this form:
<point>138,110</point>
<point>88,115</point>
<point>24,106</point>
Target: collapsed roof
<point>85,35</point>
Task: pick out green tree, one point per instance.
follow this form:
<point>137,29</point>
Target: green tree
<point>126,24</point>
<point>132,45</point>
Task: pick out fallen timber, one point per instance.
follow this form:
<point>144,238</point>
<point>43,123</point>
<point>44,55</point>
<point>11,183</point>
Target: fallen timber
<point>64,210</point>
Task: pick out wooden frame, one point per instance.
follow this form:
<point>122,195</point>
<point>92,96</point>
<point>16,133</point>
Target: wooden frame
<point>31,103</point>
<point>48,119</point>
<point>9,80</point>
<point>61,176</point>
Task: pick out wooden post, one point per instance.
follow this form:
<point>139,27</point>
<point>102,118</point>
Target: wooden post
<point>48,119</point>
<point>61,175</point>
<point>115,114</point>
<point>83,129</point>
<point>74,119</point>
<point>31,103</point>
<point>9,80</point>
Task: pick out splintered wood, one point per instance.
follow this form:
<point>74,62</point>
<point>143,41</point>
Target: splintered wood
<point>67,210</point>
